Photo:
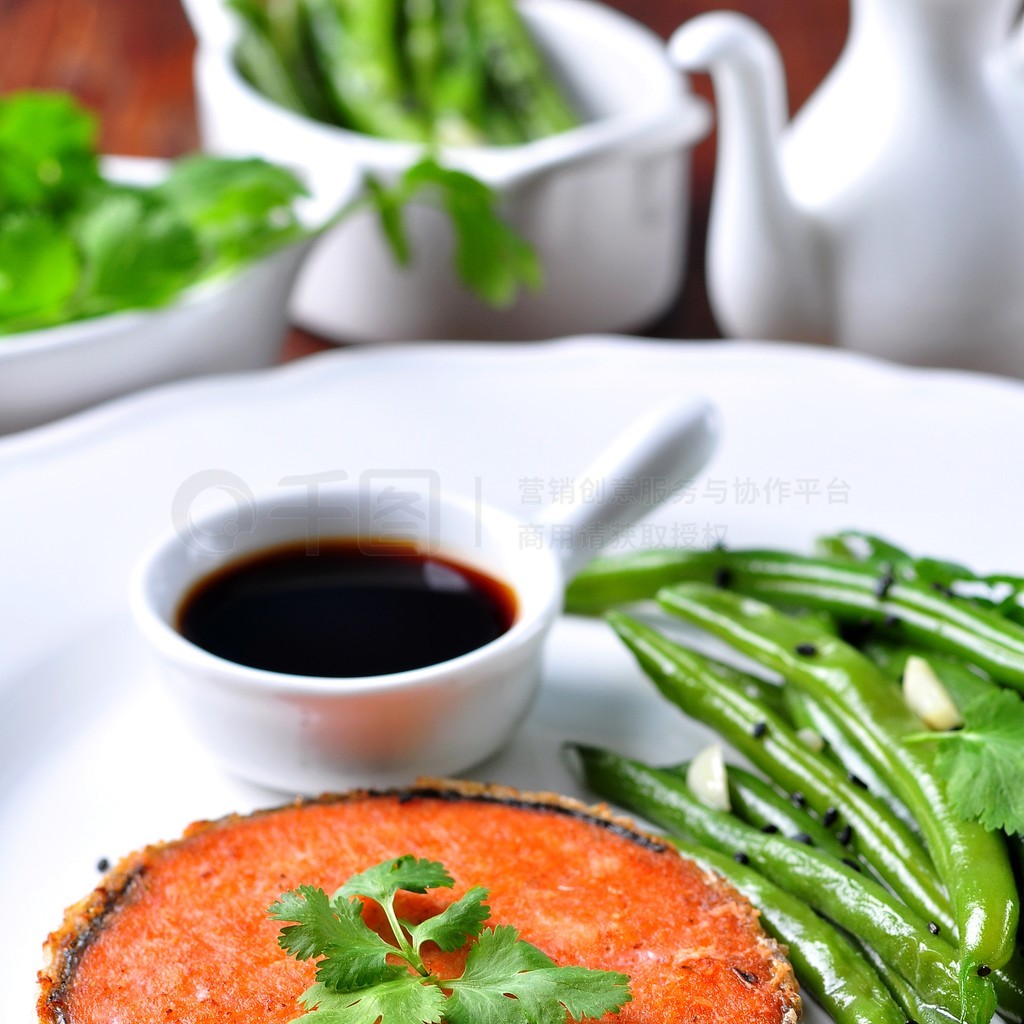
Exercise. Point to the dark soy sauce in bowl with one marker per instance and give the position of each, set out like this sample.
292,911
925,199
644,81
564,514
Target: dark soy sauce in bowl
345,611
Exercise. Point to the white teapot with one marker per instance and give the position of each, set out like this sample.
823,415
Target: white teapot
888,217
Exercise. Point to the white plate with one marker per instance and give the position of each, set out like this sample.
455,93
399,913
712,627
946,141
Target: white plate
94,761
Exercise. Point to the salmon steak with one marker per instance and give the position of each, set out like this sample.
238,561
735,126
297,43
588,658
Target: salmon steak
180,932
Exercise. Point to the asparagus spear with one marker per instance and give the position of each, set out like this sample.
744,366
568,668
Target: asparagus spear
355,45
525,87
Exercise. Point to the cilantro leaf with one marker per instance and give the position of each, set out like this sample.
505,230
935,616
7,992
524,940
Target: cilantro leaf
384,880
329,928
238,208
403,1000
47,151
490,257
357,957
388,203
363,979
315,927
39,271
458,922
137,252
73,245
500,965
983,763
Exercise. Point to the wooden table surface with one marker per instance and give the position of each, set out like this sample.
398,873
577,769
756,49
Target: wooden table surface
130,60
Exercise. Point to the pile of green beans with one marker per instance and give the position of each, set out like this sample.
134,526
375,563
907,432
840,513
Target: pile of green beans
437,72
922,902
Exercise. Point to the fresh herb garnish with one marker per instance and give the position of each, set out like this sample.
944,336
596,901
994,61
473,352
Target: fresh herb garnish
74,245
983,763
362,978
490,258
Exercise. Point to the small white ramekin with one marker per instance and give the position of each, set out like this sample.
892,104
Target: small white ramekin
306,734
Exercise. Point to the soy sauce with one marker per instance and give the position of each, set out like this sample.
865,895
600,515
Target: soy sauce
343,611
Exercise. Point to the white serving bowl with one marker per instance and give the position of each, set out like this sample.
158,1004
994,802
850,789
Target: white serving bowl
605,204
233,323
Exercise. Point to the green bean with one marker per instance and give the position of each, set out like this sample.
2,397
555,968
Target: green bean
858,546
1002,591
914,1007
848,590
758,804
622,579
875,718
964,683
808,713
852,901
826,964
1009,985
713,695
768,695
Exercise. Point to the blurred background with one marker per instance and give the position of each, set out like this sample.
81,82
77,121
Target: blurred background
130,60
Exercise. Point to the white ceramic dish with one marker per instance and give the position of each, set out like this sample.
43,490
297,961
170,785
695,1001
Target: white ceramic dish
94,759
310,735
605,204
237,323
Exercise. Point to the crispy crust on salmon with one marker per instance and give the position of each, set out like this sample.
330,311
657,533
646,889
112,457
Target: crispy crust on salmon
731,971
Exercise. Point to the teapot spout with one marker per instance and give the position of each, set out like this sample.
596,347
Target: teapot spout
766,259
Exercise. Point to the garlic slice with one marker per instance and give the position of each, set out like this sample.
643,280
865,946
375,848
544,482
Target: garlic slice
707,779
811,739
925,695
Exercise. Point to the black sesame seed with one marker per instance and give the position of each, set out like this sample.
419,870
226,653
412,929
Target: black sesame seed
740,857
103,864
759,729
830,817
984,970
858,633
856,780
933,927
852,864
770,829
803,837
885,581
723,577
797,799
844,835
808,650
746,976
